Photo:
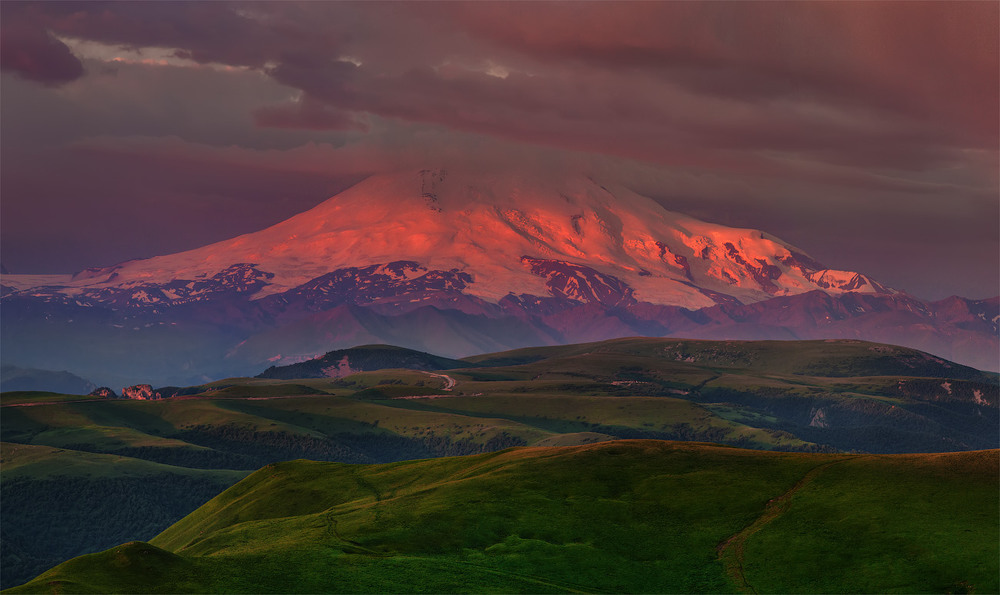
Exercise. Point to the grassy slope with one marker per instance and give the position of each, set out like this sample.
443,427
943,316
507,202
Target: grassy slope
35,462
621,516
113,424
60,503
930,524
831,358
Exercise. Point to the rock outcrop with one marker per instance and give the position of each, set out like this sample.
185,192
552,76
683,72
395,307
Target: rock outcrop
104,392
140,392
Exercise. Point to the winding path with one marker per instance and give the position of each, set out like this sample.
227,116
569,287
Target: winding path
732,550
449,382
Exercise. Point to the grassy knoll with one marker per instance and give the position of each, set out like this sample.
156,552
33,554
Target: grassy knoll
619,516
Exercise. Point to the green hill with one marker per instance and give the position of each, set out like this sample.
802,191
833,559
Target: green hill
621,516
365,358
826,358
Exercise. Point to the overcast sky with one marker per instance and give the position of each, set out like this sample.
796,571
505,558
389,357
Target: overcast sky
865,133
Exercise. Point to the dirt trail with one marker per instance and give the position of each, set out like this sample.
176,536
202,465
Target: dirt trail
732,550
331,520
449,382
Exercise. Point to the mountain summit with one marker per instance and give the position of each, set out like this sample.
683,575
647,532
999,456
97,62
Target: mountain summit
459,264
488,237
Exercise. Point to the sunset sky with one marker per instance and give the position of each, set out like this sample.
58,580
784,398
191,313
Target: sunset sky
866,133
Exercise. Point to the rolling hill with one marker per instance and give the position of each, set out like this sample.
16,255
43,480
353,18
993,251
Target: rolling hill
364,358
621,516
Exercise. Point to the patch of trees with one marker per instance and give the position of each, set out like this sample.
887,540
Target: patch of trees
867,425
881,439
46,522
904,364
239,447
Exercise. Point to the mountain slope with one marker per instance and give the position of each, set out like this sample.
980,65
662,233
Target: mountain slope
489,236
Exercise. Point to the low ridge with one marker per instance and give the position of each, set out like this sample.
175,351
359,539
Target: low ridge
364,358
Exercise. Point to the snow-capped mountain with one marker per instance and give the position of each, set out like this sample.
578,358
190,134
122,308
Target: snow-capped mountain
487,237
455,264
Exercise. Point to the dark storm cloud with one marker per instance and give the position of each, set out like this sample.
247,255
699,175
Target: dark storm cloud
870,75
205,31
752,110
34,54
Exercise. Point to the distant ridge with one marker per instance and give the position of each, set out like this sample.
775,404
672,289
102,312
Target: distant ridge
829,358
16,378
364,358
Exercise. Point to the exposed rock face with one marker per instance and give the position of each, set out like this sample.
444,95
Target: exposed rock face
140,392
580,283
376,284
103,391
818,419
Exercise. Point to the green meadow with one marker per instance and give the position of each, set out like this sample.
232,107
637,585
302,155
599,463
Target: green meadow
617,516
